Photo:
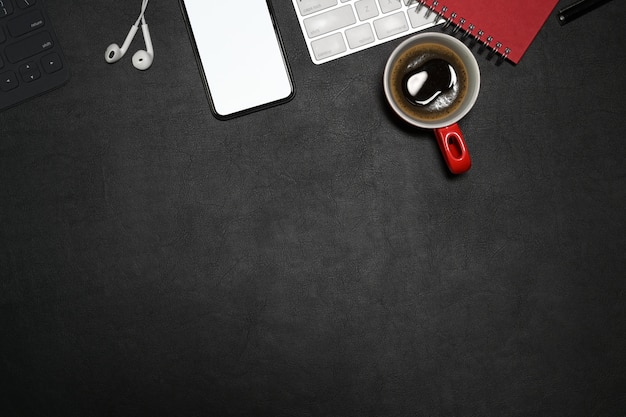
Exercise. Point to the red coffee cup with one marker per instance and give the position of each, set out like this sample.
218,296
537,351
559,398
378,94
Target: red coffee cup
449,137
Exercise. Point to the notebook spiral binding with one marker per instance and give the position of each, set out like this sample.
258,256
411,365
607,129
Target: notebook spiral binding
459,26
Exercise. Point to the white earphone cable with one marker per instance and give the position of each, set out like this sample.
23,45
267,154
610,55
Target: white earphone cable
141,18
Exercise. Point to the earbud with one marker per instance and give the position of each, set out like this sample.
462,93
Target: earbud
142,59
114,53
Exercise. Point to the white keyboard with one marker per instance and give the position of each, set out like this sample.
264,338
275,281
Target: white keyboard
336,28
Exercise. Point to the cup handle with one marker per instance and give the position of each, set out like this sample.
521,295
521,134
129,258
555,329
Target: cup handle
453,148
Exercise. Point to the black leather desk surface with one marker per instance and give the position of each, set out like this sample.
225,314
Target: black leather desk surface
314,259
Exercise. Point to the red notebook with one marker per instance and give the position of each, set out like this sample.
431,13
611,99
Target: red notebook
507,27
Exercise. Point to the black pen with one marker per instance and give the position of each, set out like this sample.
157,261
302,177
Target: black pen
577,9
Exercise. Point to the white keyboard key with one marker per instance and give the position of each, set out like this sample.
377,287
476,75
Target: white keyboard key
366,9
391,25
389,5
311,6
329,21
417,19
360,35
328,46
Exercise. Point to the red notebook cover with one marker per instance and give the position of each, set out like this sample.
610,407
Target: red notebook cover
506,26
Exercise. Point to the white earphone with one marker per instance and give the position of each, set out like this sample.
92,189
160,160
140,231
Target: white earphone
142,59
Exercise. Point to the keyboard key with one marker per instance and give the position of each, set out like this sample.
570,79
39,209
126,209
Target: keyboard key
51,63
360,35
312,6
8,81
25,23
329,21
25,4
418,19
366,9
328,46
389,5
28,47
391,25
27,67
5,8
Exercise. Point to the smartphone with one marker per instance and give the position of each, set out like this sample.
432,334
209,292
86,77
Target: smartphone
239,53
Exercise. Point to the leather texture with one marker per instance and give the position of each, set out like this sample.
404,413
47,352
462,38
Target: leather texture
315,258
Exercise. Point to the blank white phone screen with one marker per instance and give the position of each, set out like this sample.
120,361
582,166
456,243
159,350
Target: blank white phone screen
240,53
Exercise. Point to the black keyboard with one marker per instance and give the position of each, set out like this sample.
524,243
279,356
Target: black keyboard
31,60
